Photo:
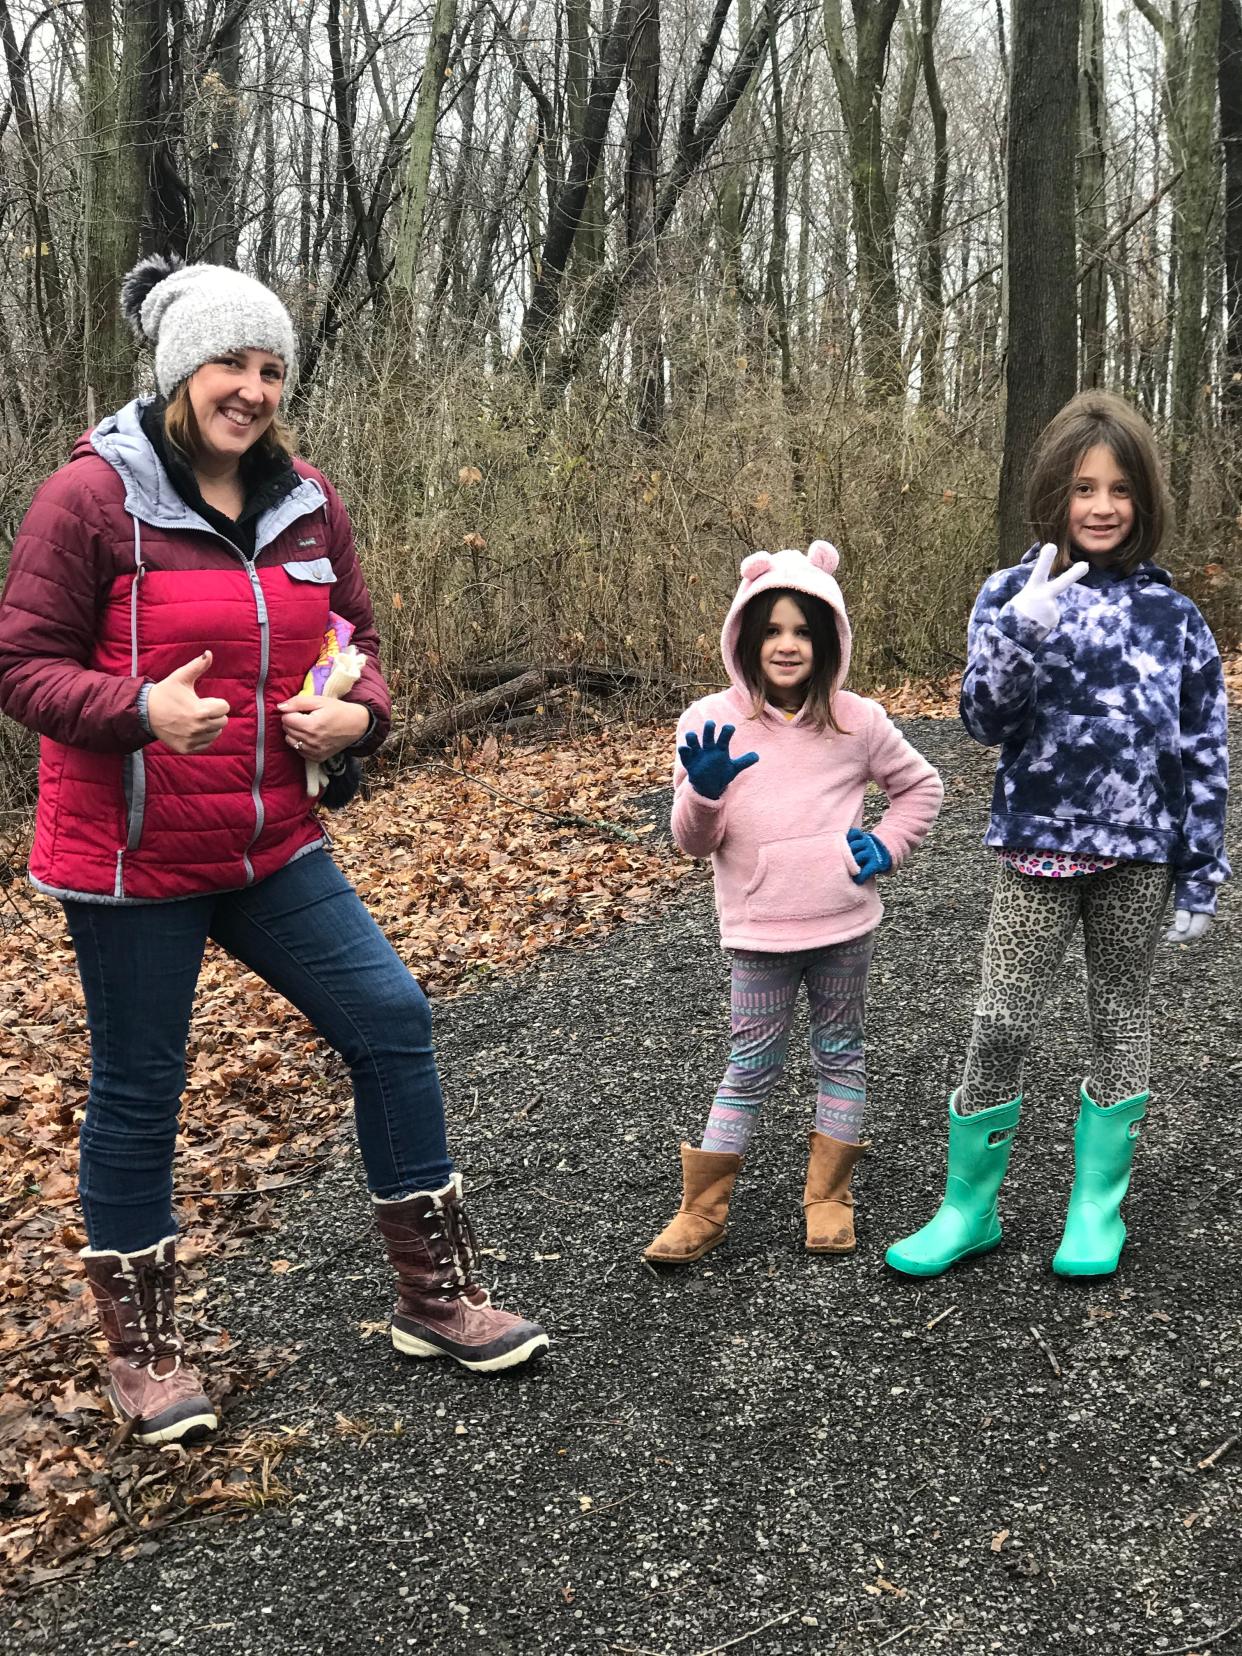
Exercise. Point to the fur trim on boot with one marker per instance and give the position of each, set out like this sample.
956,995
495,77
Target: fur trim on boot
150,1381
443,1309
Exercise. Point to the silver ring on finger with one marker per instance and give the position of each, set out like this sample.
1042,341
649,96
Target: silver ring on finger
297,744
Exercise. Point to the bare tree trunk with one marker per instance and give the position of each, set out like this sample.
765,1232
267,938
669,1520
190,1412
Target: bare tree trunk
422,139
1191,66
1042,333
860,88
589,244
450,277
736,192
218,122
932,263
49,296
307,157
265,251
641,175
344,104
695,140
116,167
1230,84
566,212
1093,224
777,309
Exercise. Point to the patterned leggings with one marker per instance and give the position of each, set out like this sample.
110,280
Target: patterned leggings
1029,929
764,994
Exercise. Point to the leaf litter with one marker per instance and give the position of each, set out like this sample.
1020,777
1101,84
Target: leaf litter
466,884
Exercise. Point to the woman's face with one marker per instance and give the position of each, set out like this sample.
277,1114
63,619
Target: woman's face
234,398
1101,510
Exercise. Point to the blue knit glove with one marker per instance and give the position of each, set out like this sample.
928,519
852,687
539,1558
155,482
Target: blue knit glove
871,855
709,766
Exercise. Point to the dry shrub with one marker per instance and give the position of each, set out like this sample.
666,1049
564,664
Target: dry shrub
495,529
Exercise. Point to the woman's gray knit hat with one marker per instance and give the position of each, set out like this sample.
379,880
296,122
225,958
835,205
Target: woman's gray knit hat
192,313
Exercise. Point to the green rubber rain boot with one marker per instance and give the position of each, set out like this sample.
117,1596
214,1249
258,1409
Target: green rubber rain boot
965,1223
1104,1141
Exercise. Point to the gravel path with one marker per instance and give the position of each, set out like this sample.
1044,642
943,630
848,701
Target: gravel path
768,1453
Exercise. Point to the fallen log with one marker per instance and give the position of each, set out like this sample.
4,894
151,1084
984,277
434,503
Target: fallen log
475,711
598,678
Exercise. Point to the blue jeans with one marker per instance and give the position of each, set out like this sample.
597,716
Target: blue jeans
305,931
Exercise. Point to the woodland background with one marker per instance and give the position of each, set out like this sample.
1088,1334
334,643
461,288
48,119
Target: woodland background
594,296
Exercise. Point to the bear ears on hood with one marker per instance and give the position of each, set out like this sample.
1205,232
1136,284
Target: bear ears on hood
821,554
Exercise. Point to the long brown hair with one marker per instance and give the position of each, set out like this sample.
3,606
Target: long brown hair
278,442
1097,418
825,652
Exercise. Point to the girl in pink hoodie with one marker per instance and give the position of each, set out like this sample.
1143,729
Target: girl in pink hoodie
795,877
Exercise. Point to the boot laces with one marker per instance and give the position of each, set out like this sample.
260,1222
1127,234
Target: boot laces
150,1317
461,1262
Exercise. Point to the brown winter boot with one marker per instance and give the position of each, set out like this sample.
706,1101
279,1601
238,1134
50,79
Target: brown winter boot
442,1309
707,1180
827,1199
151,1383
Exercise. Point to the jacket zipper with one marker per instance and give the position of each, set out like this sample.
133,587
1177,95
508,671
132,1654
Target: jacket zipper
134,832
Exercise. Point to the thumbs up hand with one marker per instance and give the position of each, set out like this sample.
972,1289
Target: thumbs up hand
182,719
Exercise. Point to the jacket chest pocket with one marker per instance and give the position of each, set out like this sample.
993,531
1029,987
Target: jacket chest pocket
311,571
807,878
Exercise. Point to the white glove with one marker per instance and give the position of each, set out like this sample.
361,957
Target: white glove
1038,598
1188,927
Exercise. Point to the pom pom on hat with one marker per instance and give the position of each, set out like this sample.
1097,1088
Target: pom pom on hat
138,284
192,313
824,556
755,565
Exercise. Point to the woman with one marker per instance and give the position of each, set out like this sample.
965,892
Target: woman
168,590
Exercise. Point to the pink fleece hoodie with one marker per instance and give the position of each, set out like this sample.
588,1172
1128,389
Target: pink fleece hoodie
776,836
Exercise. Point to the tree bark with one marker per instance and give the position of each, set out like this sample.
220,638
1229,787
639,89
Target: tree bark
1092,216
1191,67
49,298
777,309
422,138
116,168
219,122
1230,85
567,209
932,263
1042,330
641,178
860,88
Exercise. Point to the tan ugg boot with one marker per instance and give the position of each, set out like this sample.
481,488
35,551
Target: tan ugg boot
827,1199
707,1179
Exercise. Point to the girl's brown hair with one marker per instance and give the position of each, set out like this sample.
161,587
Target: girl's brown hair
1097,418
825,652
278,442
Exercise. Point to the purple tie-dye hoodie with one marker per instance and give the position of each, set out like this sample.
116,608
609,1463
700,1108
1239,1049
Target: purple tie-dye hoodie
1112,724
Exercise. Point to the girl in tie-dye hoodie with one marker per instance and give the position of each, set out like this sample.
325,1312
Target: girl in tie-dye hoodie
1103,687
795,876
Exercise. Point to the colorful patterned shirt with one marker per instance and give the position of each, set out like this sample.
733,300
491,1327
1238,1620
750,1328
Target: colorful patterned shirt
1056,865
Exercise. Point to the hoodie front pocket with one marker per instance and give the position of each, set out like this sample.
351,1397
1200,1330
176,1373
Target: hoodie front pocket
807,878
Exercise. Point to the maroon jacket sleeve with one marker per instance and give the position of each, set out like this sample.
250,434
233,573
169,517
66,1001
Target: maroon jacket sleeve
352,599
60,573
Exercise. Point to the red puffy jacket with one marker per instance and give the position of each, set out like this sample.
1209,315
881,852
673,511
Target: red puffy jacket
114,581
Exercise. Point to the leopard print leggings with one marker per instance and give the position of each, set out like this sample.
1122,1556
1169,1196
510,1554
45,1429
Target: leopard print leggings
1029,929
